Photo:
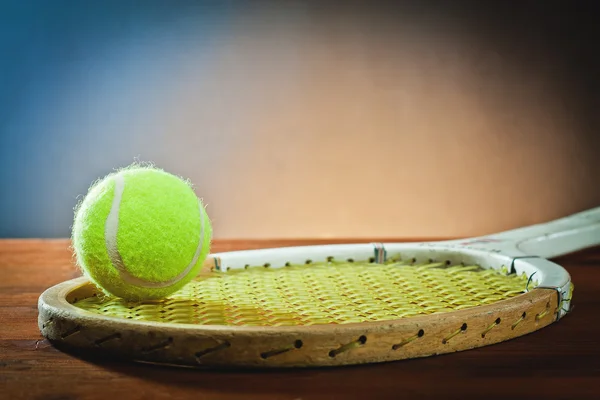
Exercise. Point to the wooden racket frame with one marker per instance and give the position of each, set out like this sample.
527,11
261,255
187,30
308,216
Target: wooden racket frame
290,346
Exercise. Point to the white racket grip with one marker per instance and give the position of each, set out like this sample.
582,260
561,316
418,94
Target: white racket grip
555,238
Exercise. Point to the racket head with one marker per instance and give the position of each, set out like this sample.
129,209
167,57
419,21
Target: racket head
538,303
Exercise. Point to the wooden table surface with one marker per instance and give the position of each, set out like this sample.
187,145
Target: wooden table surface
560,361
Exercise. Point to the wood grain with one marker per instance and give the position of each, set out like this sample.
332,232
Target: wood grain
560,361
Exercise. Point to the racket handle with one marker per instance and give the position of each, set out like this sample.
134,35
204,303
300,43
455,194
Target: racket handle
556,238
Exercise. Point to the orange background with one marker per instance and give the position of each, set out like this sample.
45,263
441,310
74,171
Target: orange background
301,121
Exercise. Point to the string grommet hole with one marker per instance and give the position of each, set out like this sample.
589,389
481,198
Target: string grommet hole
408,340
517,322
159,346
541,315
348,346
210,350
489,328
267,354
462,329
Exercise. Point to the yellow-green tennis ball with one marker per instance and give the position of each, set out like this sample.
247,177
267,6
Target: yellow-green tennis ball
141,234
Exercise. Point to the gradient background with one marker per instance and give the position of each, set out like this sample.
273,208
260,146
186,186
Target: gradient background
304,119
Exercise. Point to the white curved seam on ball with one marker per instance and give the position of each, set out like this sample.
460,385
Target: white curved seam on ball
110,236
111,227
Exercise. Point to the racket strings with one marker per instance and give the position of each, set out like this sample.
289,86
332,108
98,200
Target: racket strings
320,293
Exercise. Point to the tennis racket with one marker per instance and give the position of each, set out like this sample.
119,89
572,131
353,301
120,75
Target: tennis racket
332,305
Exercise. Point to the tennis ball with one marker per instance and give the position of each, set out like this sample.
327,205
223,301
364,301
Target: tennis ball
141,233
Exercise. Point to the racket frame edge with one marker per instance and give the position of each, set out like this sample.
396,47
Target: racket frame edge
289,346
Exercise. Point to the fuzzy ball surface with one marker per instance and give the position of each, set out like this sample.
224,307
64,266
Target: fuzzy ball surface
141,233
